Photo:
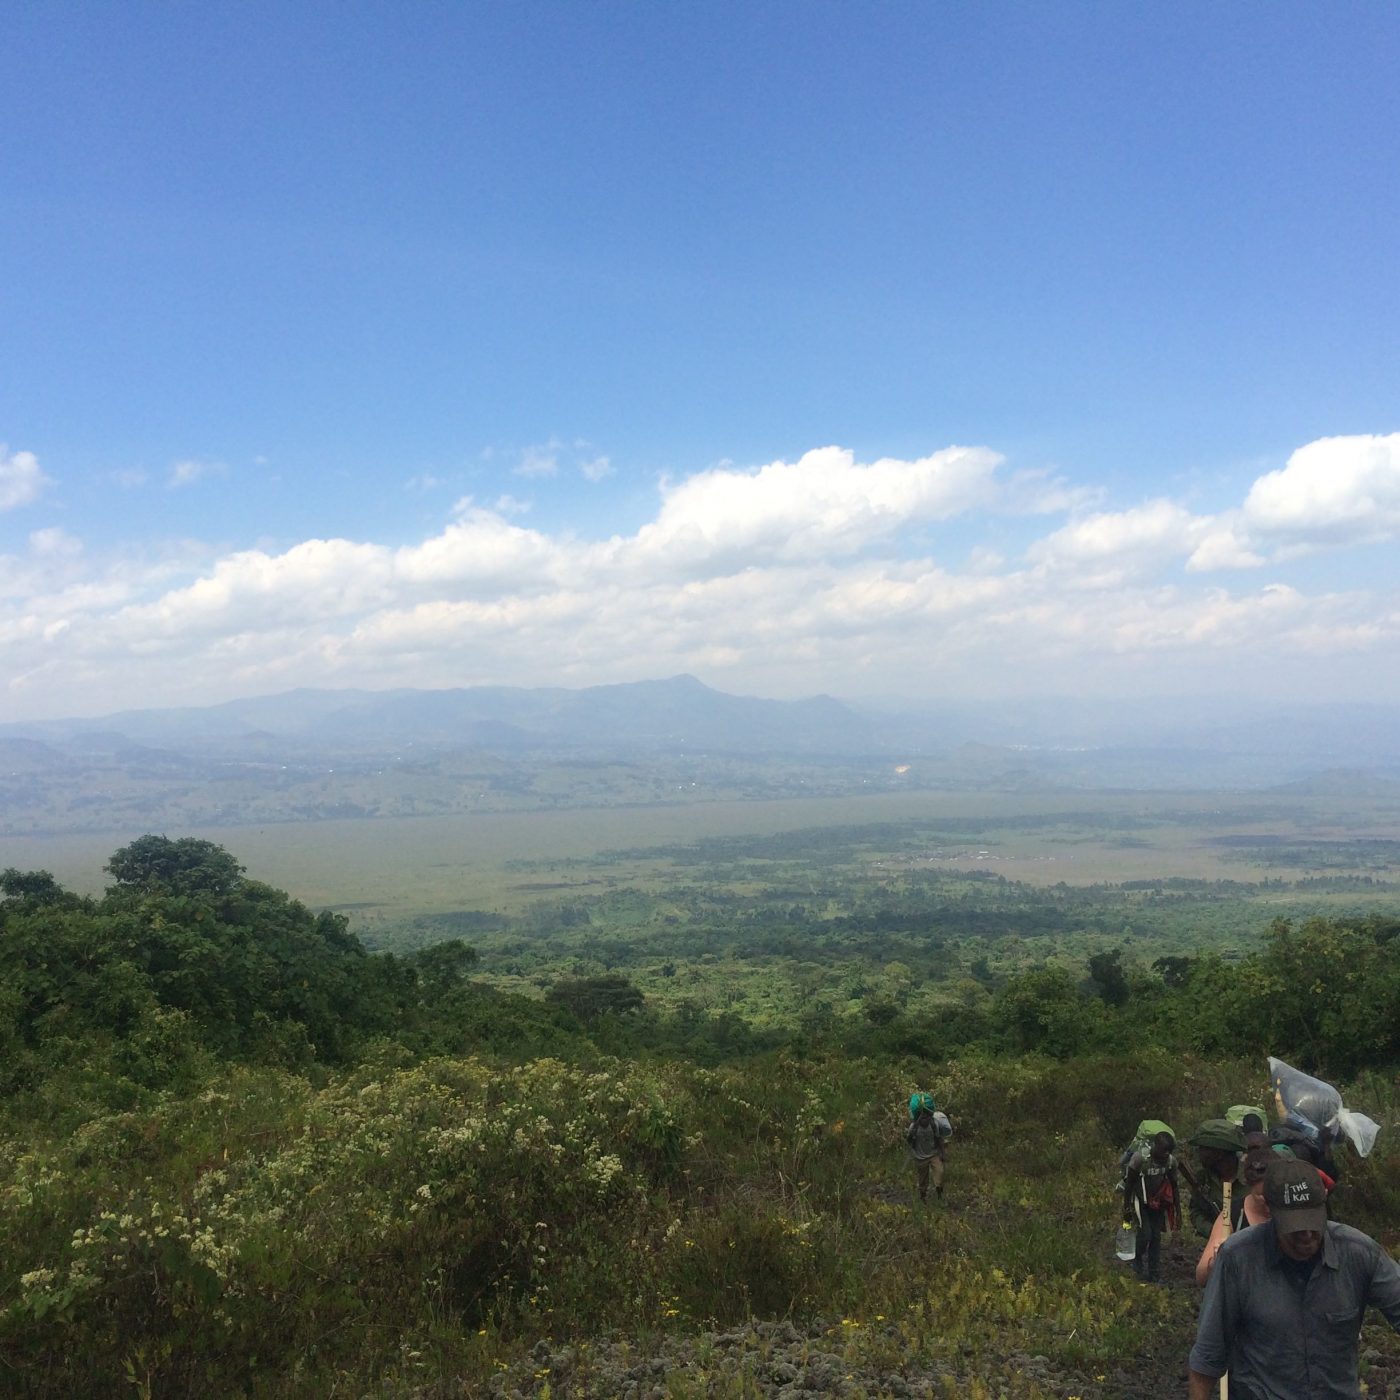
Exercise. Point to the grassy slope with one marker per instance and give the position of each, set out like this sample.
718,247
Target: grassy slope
393,1234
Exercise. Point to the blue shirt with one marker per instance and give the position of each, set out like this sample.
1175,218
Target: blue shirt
1287,1337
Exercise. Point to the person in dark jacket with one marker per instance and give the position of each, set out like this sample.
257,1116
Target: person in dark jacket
1283,1309
1220,1145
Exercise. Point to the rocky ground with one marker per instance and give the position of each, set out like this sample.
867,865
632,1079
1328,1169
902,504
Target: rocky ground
787,1361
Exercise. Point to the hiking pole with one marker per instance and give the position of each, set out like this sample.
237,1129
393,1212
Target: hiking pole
1225,1188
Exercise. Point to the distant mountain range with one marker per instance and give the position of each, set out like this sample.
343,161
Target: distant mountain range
309,754
644,716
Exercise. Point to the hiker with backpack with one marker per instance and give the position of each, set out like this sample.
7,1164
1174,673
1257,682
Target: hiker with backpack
927,1139
1220,1145
1151,1196
1248,1208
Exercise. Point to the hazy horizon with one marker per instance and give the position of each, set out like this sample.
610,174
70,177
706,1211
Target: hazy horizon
1189,707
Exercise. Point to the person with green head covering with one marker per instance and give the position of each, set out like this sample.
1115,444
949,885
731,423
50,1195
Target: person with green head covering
1219,1144
927,1140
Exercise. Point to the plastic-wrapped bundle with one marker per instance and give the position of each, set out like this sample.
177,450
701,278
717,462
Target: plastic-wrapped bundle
1312,1105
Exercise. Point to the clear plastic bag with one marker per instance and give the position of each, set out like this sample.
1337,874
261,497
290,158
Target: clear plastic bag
1312,1105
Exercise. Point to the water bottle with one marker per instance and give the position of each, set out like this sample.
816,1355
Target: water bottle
1126,1242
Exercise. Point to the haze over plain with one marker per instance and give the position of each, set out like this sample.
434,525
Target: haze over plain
998,351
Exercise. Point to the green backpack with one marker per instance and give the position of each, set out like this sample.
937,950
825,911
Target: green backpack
1142,1139
1237,1111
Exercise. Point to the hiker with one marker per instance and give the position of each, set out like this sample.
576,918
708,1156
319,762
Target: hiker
1282,1310
1307,1148
1251,1208
1246,1117
1219,1144
1150,1189
927,1137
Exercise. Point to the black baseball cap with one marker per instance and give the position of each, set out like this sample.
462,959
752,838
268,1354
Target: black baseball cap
1296,1196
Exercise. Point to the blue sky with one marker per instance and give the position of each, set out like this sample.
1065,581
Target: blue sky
542,343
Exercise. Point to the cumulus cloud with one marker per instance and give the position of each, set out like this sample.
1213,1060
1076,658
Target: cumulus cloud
1222,546
791,577
823,504
595,468
1334,490
21,480
1110,546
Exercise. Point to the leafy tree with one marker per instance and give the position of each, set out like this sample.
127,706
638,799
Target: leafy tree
1110,980
187,866
1043,1010
588,998
442,967
880,1011
31,886
1174,971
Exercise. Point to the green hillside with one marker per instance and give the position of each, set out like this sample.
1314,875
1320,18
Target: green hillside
245,1156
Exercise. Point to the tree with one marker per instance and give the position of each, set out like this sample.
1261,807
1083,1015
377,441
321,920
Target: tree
443,966
1044,1010
588,998
32,886
1174,971
880,1011
156,864
1111,982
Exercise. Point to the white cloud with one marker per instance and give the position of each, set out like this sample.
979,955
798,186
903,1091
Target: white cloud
21,480
595,468
1334,490
1223,547
479,551
823,504
130,478
1111,546
792,577
423,482
54,543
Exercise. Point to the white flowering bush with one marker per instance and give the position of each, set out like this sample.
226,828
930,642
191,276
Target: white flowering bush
268,1235
452,1186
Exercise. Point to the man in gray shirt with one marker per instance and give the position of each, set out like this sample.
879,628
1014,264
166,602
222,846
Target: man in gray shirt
1282,1311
